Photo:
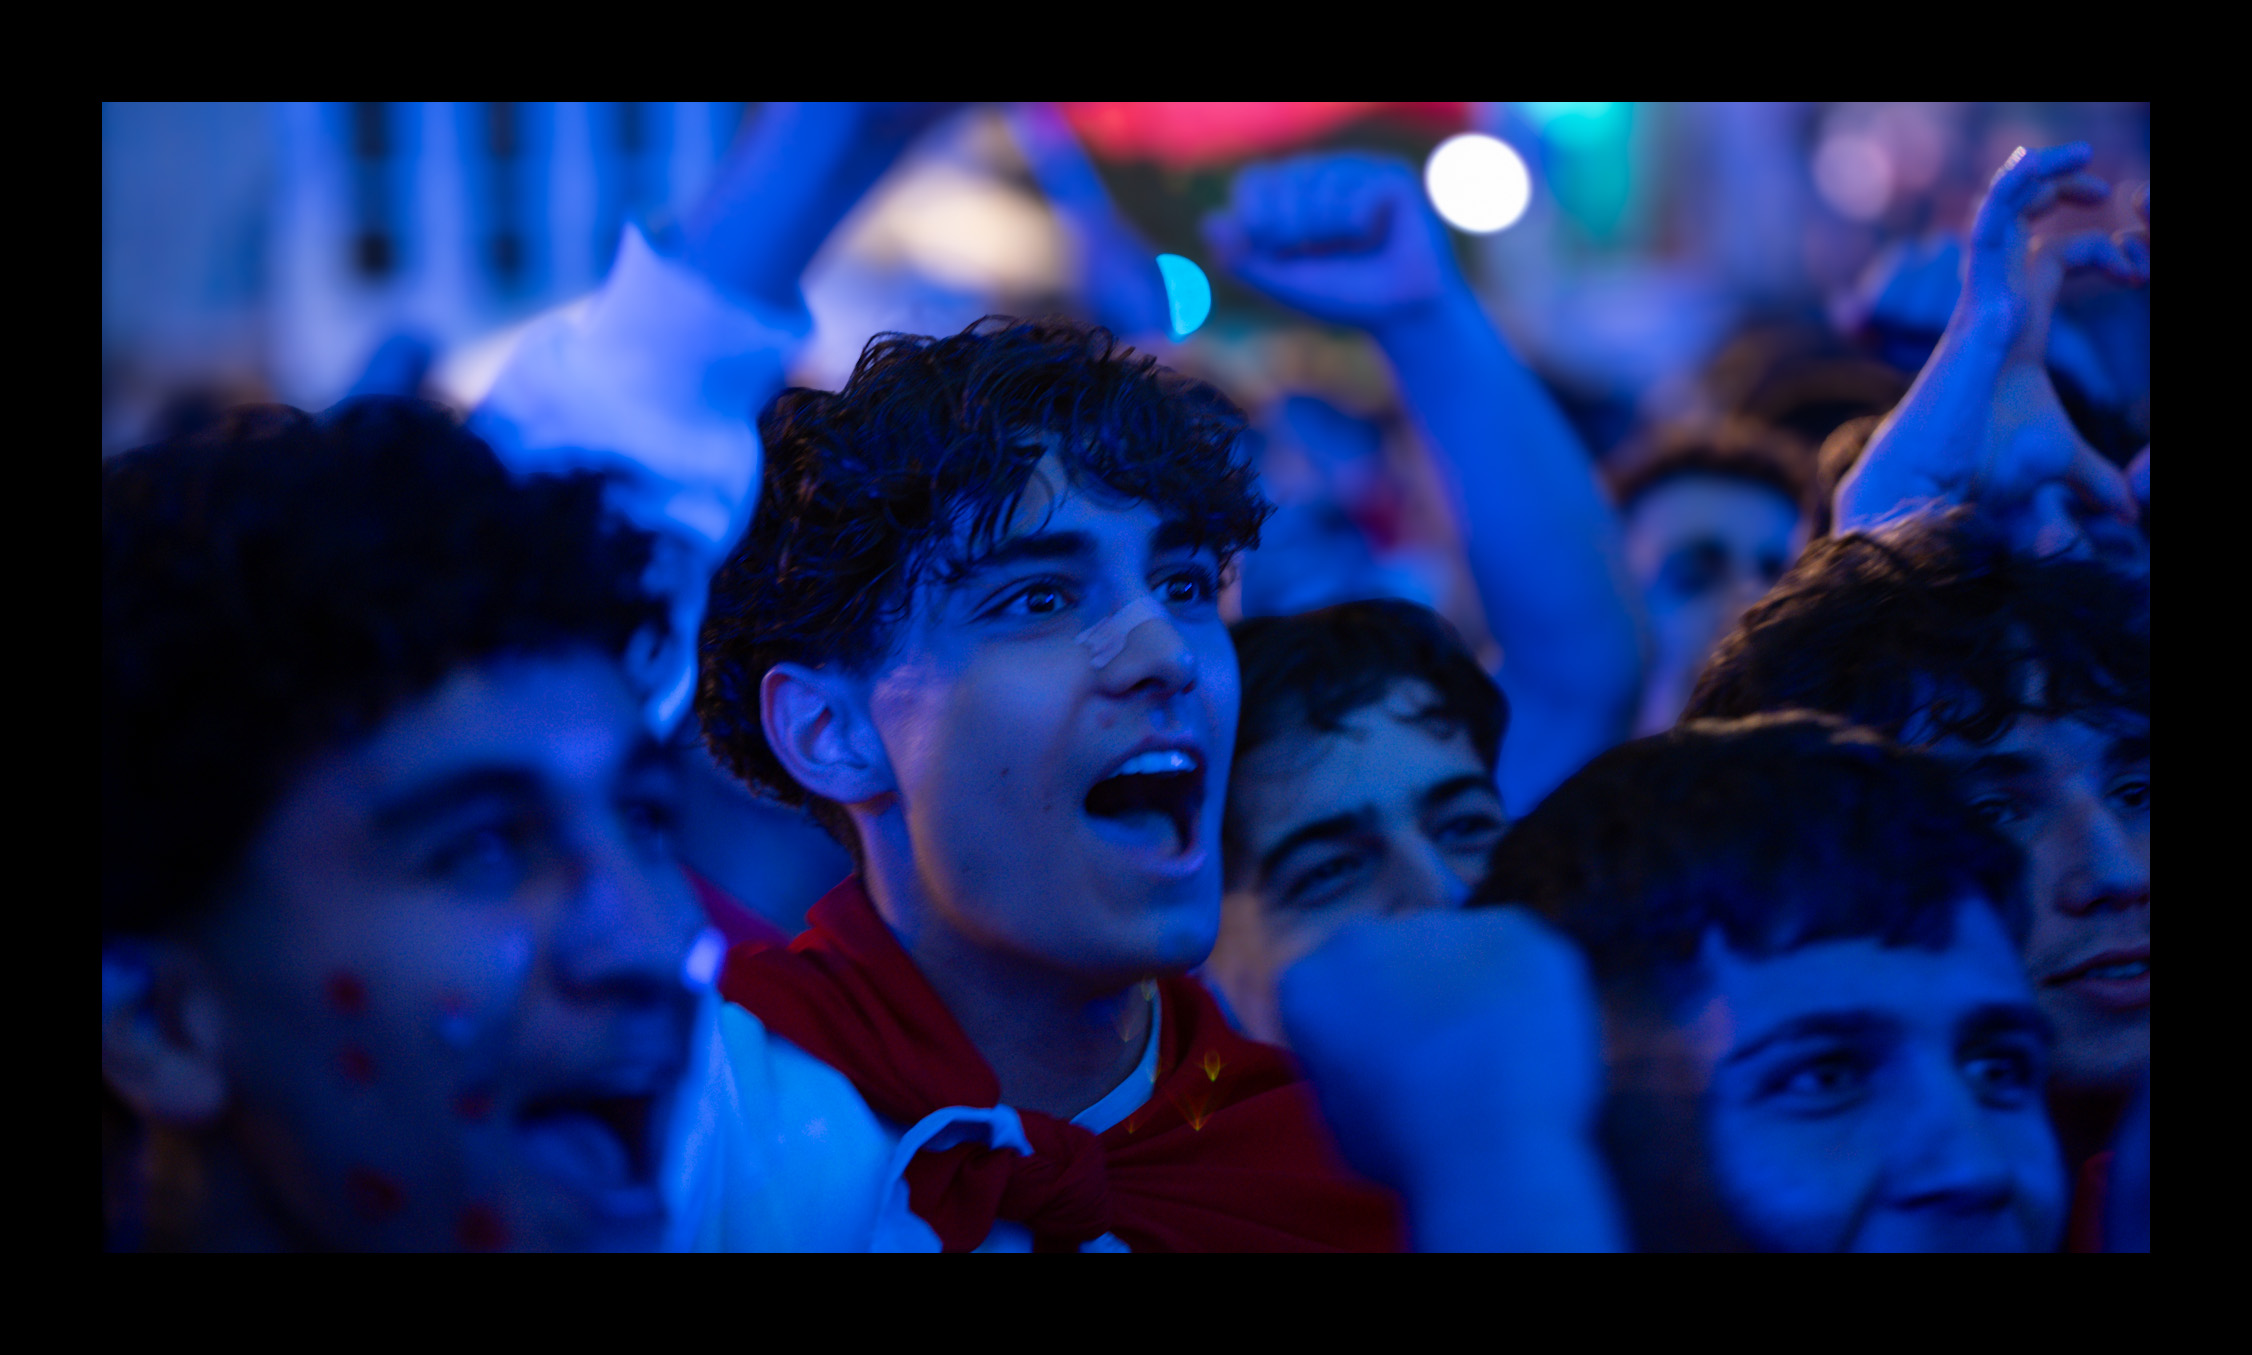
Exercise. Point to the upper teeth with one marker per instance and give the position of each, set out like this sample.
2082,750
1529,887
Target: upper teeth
1158,763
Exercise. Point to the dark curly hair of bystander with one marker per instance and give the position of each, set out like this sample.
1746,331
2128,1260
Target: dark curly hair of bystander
275,584
1935,628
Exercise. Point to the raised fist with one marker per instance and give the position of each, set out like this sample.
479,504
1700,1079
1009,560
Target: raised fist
1346,238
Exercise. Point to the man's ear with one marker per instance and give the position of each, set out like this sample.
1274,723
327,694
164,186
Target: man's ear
161,1033
817,723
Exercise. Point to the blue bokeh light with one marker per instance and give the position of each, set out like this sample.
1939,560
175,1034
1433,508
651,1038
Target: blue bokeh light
1188,294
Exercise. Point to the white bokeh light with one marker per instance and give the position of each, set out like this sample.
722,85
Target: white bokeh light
1854,174
1477,183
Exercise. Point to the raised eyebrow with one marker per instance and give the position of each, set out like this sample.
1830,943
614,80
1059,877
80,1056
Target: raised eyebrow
1032,547
2002,1018
1453,786
448,794
1849,1025
1330,829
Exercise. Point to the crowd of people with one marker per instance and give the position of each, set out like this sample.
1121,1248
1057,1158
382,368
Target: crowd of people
961,811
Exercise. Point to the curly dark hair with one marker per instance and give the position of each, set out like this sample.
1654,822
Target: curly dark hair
911,473
275,584
1935,629
1314,669
1781,831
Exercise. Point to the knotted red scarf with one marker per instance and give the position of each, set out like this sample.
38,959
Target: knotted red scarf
1228,1154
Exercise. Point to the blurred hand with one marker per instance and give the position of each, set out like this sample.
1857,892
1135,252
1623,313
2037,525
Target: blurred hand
1118,278
790,178
1983,422
2009,297
1346,238
1441,1038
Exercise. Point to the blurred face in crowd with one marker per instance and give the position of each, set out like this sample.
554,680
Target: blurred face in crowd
1702,548
1865,1097
1391,814
2077,798
446,995
1338,507
1033,804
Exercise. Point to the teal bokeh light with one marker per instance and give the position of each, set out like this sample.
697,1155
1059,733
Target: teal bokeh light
1188,294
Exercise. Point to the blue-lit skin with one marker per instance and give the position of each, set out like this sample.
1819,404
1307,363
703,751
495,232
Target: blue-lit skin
1702,549
1983,422
967,752
1459,1058
1865,1097
2076,798
1188,294
1352,240
472,912
1385,817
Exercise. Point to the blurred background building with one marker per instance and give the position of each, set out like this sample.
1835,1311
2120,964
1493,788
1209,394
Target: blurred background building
273,250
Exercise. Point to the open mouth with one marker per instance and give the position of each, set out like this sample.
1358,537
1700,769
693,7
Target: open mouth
599,1144
1152,800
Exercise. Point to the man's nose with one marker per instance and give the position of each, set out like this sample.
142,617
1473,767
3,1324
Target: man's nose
1948,1155
1156,658
627,929
2109,864
1422,880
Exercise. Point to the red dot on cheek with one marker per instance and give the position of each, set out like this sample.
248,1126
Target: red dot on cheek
356,1064
347,992
480,1229
375,1195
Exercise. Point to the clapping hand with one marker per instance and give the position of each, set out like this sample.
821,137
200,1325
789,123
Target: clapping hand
1983,422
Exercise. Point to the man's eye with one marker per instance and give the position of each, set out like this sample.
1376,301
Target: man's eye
1469,829
652,820
1189,588
2134,792
1998,809
2003,1074
1822,1083
1322,875
487,857
1695,570
1048,597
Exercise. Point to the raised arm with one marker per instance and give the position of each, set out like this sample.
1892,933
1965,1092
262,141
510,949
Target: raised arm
1982,423
1118,278
658,380
1348,239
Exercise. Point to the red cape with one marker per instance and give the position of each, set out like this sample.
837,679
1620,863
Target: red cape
1228,1154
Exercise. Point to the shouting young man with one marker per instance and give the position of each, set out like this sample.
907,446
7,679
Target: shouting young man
975,628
